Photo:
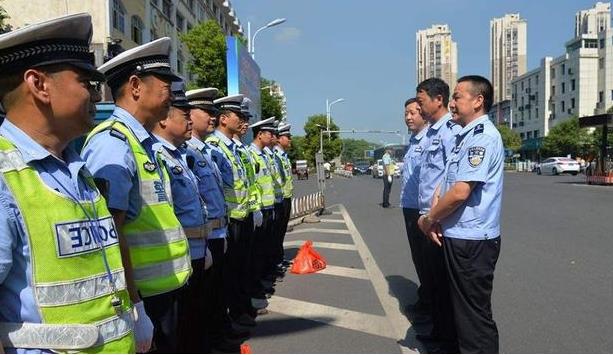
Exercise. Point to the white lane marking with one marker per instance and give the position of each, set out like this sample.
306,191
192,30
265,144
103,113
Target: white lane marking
345,272
318,230
337,246
338,317
332,221
390,304
336,212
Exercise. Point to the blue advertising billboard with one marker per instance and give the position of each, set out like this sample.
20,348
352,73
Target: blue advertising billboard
243,75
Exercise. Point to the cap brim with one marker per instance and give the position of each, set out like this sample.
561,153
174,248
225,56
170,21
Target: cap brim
182,104
164,74
89,69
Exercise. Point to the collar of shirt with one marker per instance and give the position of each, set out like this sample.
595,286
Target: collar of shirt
256,148
438,124
33,151
237,142
166,144
472,125
137,128
227,141
195,142
419,135
267,150
279,149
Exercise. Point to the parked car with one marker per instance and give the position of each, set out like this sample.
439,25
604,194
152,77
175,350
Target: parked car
361,168
302,170
558,165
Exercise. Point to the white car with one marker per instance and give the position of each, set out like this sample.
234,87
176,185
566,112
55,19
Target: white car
377,169
558,165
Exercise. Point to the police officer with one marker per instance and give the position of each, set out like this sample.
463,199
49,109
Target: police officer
171,133
236,192
62,284
284,142
263,132
389,168
119,152
433,98
210,186
472,187
408,200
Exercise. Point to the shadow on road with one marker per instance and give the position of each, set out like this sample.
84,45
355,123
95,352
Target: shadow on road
405,291
273,327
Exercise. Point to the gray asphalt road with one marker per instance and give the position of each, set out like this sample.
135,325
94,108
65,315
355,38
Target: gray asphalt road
553,284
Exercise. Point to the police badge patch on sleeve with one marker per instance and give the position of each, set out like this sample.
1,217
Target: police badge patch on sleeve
475,156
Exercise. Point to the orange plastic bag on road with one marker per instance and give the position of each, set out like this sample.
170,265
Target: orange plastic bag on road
307,260
245,349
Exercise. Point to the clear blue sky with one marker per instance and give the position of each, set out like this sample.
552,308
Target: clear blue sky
364,51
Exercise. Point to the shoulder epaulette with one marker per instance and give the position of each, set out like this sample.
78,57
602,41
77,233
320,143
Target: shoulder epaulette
114,132
478,129
450,124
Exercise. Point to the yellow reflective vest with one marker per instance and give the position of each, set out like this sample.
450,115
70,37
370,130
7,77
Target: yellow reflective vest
73,250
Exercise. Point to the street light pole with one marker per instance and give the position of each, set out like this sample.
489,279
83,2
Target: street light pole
251,44
328,107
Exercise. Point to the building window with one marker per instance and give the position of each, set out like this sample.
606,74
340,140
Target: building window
189,27
563,104
119,14
180,22
563,88
536,99
572,85
529,135
137,29
611,94
536,133
167,8
602,43
553,90
572,102
600,63
521,135
180,62
552,73
601,96
563,68
190,4
536,113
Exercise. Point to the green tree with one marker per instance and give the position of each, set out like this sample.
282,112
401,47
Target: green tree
510,138
271,104
332,147
569,138
296,152
353,149
207,44
4,16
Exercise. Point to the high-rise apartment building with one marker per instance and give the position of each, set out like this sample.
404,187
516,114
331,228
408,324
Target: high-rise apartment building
508,57
594,20
436,54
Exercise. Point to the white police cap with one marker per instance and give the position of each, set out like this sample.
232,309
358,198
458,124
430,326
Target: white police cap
61,40
179,99
149,58
283,129
203,98
232,102
264,125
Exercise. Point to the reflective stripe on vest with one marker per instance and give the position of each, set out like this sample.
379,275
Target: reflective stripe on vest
236,196
277,179
263,179
155,236
288,185
68,274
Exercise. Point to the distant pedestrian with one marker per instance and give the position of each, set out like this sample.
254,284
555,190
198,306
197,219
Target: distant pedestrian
389,168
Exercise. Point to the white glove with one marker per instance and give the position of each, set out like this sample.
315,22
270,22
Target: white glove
257,219
208,259
143,328
389,179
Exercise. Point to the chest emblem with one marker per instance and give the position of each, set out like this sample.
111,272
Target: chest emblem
149,166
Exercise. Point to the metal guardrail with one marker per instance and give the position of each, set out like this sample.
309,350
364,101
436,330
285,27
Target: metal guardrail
305,205
344,173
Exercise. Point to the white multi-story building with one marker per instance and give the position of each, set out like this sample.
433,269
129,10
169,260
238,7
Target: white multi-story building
594,20
132,22
507,53
577,83
277,91
436,54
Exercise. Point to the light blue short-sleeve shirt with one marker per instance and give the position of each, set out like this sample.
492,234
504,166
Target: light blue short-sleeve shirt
16,297
210,183
440,140
478,156
186,202
109,157
409,189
